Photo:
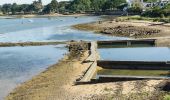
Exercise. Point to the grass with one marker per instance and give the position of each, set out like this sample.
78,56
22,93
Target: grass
166,97
133,72
137,17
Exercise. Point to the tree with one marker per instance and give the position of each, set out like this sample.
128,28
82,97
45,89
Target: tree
6,8
53,6
98,5
63,6
113,4
14,8
150,0
37,6
47,9
80,5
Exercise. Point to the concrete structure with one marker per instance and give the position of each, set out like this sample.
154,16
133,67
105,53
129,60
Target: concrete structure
90,76
115,78
91,65
127,43
139,65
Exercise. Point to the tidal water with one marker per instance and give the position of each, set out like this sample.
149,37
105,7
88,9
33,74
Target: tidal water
47,29
135,54
18,64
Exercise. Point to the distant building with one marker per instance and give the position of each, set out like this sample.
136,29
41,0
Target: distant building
146,5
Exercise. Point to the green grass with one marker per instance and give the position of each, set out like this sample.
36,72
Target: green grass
133,72
166,97
137,17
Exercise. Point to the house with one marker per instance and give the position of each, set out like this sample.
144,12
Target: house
146,5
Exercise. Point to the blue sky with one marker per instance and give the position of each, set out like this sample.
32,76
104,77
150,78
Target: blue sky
25,1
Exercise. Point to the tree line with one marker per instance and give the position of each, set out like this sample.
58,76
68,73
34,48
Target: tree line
36,7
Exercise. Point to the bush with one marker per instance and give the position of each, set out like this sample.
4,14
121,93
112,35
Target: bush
158,12
135,10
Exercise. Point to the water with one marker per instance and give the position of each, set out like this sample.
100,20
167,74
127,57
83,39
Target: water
45,29
136,54
18,64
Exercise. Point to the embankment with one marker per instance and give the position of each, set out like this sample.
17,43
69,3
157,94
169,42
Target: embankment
10,44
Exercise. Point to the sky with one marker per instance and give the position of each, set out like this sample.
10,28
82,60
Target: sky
25,1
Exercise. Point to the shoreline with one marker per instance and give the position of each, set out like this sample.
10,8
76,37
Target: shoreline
103,27
111,27
41,16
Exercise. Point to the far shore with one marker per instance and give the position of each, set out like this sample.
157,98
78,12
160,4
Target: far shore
45,15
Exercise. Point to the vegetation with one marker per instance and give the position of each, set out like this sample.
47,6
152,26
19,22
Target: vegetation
158,11
150,0
62,7
166,97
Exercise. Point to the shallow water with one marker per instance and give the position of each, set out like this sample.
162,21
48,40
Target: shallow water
45,29
136,54
18,64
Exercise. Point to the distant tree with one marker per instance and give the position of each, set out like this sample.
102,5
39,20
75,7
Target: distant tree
53,6
150,0
14,8
166,10
6,8
63,6
47,9
113,4
80,5
122,6
98,5
37,6
23,8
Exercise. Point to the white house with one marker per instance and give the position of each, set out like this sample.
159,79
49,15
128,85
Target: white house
160,3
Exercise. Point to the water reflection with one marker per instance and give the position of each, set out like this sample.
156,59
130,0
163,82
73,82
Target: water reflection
136,54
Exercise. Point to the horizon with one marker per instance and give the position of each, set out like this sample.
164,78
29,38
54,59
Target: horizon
26,1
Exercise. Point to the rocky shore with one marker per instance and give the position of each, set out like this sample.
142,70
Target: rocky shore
130,31
129,28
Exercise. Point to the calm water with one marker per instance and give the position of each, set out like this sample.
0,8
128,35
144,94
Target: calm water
136,54
45,29
18,64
